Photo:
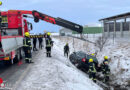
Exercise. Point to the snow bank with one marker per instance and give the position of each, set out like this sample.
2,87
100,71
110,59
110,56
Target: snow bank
118,52
76,44
120,61
56,73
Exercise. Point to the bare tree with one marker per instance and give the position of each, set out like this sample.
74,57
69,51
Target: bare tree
101,42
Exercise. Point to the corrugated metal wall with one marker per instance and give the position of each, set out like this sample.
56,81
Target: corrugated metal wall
125,26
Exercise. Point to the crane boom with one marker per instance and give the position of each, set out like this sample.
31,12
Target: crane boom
40,16
59,21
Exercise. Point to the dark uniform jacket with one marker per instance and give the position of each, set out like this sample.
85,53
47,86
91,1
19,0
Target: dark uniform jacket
49,42
92,68
106,60
34,40
66,48
105,69
27,43
40,39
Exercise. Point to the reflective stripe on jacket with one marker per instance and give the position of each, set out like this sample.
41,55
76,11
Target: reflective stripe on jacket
48,42
92,68
27,42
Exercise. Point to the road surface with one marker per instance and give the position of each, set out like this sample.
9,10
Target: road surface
12,74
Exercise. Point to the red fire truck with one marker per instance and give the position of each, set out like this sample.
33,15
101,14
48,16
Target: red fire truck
13,25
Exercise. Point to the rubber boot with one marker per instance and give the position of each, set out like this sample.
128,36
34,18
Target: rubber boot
26,61
31,61
49,54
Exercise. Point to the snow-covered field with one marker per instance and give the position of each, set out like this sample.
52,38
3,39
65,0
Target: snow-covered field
56,73
119,52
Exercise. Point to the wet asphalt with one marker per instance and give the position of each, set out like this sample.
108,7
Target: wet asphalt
11,74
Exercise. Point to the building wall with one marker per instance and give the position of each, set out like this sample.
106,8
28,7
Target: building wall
91,30
122,30
65,31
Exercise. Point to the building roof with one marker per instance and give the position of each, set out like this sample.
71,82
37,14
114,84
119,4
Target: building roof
120,16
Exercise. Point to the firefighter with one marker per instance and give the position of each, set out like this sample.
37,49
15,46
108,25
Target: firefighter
49,44
105,59
93,54
27,48
92,70
97,66
66,50
34,43
40,41
105,69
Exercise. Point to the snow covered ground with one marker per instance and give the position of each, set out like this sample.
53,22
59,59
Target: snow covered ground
119,52
56,73
120,61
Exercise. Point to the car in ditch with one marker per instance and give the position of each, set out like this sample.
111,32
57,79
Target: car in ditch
81,60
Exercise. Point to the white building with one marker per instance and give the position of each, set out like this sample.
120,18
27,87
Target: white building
65,31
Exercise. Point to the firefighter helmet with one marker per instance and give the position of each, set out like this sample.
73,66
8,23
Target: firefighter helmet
0,3
90,60
93,54
48,33
27,34
105,57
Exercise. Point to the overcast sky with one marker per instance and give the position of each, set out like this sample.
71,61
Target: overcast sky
79,11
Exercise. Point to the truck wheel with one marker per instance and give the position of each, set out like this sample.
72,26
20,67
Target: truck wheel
16,59
18,56
6,63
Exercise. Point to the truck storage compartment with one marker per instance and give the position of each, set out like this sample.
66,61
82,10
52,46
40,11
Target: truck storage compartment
11,40
10,43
